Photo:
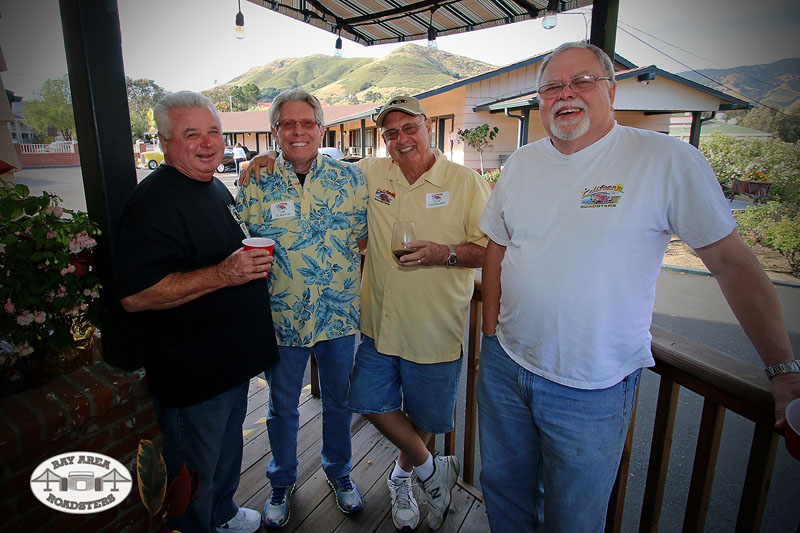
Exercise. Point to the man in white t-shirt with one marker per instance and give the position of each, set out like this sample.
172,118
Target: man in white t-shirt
578,225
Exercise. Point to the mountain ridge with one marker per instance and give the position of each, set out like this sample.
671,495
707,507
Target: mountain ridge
409,69
776,84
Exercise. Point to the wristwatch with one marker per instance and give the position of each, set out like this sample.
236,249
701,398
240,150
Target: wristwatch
451,258
789,367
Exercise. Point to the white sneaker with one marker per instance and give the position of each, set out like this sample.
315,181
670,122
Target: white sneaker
437,489
245,521
276,509
405,511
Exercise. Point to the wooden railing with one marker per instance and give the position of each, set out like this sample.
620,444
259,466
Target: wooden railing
724,382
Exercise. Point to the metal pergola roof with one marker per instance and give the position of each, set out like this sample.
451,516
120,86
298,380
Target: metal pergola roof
370,22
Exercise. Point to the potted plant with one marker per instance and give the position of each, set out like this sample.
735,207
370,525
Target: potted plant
491,176
47,286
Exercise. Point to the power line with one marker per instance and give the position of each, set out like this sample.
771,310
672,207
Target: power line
731,89
788,89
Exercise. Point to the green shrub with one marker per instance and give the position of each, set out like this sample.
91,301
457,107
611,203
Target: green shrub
784,236
743,157
491,175
775,227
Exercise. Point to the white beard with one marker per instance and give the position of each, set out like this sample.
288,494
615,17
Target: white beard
574,128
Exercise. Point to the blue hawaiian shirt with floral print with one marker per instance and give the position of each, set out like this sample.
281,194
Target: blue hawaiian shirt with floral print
315,275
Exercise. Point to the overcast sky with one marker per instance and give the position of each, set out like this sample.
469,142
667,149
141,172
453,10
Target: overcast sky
189,44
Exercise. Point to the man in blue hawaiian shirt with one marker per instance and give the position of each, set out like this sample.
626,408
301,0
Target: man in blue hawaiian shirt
315,209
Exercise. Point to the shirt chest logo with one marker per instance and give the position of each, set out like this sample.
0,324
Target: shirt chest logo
282,209
601,196
437,199
385,197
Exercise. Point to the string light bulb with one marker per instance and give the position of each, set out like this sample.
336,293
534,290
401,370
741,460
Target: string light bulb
238,30
550,15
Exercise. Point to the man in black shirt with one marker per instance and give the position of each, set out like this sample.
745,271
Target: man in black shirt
184,272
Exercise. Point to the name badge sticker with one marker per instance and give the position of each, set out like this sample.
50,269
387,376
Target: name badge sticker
437,199
282,209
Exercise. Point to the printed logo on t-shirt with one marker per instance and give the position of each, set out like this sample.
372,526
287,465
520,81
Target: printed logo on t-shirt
601,196
385,197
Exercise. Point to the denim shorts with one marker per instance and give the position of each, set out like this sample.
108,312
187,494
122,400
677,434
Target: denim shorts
385,383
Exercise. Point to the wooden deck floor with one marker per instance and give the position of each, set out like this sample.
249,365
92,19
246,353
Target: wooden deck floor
313,508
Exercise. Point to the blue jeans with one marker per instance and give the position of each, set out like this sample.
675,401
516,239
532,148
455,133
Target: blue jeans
207,437
335,361
550,453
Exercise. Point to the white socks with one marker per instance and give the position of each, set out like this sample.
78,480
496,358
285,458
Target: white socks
399,472
425,470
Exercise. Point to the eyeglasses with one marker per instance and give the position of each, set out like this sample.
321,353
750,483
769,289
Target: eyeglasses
306,124
578,84
409,129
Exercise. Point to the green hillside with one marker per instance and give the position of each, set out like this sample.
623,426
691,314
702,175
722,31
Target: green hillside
409,69
776,84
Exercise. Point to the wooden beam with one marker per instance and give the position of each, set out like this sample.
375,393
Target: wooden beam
605,14
93,45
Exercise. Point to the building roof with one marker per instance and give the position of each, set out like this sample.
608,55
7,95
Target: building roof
529,99
245,121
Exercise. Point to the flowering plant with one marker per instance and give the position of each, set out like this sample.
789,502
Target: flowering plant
47,278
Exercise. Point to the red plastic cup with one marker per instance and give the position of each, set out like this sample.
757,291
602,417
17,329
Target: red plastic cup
793,428
260,243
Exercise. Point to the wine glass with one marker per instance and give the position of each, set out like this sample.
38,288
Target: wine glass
403,232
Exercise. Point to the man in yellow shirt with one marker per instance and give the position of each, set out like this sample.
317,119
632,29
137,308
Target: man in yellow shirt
414,312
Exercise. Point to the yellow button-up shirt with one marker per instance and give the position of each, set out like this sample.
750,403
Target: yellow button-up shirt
314,278
419,313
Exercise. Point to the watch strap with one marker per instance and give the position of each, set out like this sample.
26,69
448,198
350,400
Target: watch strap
452,259
788,367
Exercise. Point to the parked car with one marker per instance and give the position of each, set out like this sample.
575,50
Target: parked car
228,164
151,159
59,146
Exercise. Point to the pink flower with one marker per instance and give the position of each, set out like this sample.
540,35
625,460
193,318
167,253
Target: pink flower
9,307
51,234
25,318
39,317
24,349
54,210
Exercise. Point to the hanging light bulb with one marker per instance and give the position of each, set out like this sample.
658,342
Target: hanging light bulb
432,33
238,30
338,51
432,39
550,15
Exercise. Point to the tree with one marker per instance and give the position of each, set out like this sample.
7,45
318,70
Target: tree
143,95
220,97
244,97
785,123
52,107
479,138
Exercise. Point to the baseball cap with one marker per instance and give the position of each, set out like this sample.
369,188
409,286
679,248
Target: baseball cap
407,104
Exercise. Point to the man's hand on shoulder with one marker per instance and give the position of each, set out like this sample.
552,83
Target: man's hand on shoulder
265,160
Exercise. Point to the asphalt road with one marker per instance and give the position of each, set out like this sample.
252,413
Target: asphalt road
692,306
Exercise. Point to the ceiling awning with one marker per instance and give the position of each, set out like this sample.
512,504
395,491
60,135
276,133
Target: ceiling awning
370,22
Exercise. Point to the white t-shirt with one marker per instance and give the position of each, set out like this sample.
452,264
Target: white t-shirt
239,153
585,235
